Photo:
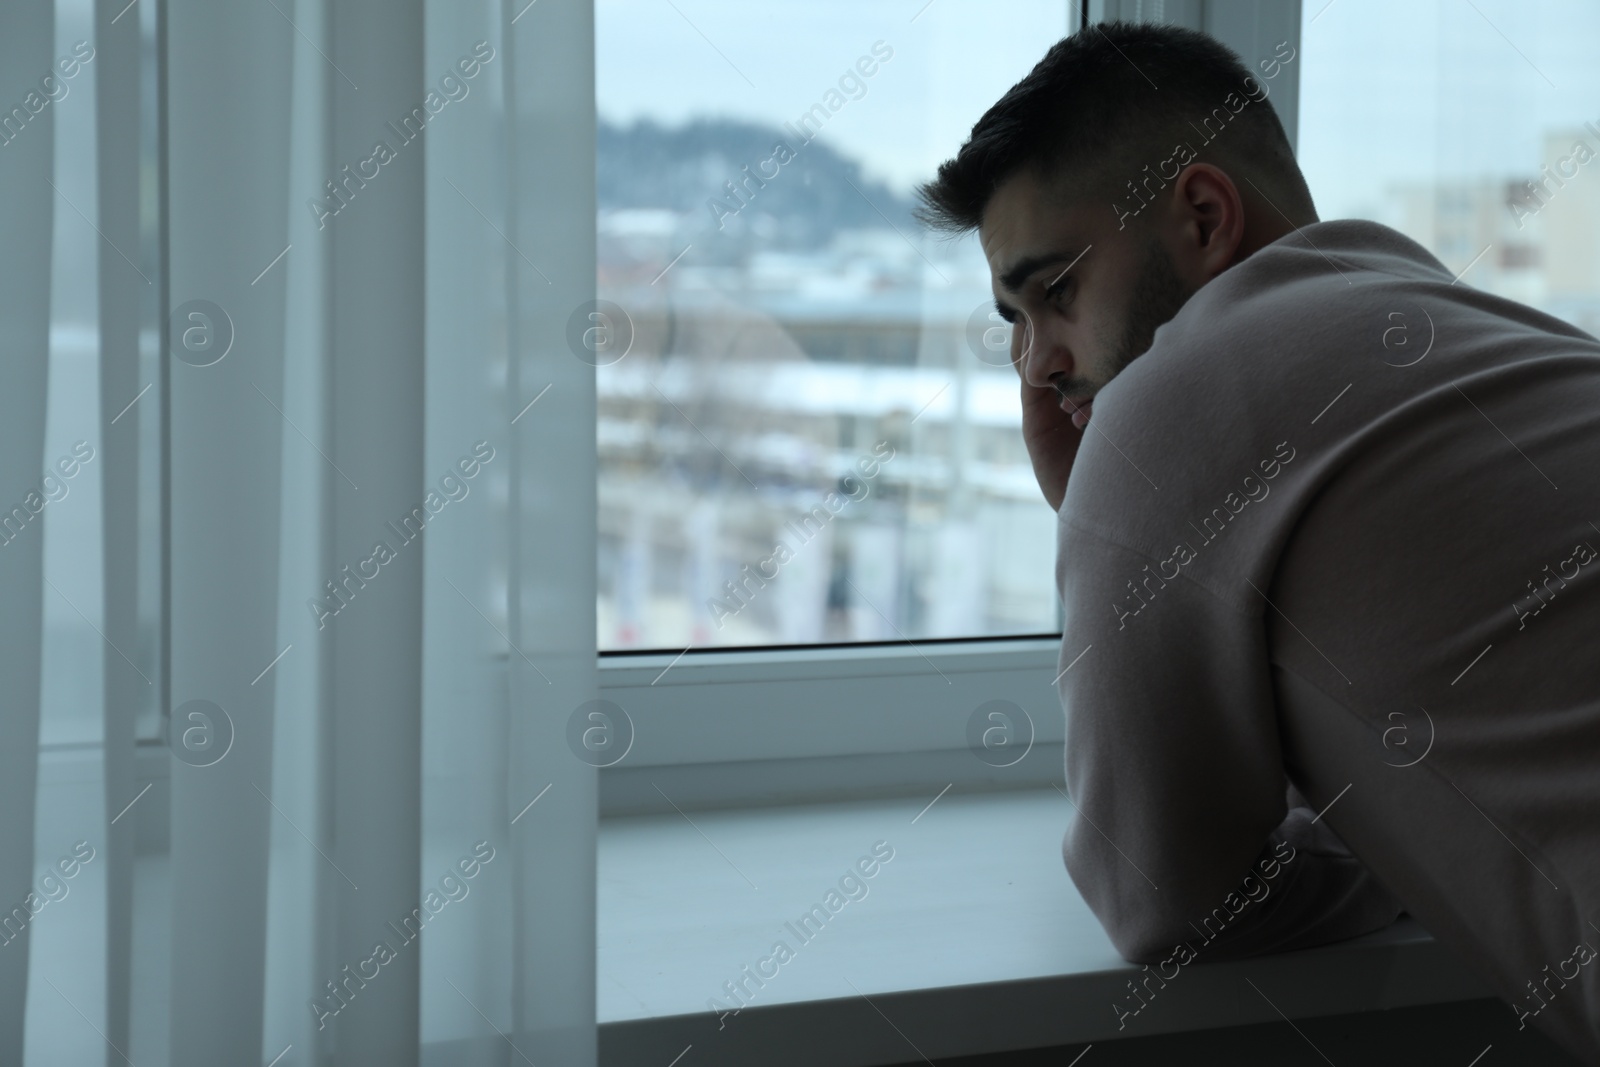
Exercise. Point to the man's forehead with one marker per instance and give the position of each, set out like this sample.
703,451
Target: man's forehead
1022,223
1005,217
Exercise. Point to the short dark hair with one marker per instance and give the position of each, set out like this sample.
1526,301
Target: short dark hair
1107,101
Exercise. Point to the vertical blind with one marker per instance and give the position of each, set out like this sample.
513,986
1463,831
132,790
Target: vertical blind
297,274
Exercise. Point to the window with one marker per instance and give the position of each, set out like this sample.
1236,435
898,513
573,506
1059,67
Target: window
807,421
786,349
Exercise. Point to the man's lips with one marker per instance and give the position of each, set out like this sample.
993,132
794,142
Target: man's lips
1080,409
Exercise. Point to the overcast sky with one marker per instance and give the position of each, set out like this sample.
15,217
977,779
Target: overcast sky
1389,91
948,67
1433,89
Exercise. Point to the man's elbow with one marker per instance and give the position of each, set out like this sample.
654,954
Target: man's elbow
1131,913
1143,932
1142,943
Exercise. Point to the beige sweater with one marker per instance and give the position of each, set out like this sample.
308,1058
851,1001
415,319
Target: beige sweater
1338,528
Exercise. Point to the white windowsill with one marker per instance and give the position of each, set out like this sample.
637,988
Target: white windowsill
971,939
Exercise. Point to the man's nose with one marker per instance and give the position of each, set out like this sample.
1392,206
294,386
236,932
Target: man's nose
1045,358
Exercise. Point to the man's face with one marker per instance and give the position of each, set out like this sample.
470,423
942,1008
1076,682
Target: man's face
1085,297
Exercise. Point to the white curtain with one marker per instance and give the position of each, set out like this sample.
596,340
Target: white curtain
27,41
291,659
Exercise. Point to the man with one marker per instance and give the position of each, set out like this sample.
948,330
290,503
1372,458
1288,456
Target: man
1328,544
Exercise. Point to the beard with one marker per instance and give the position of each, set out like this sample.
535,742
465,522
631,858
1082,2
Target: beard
1158,294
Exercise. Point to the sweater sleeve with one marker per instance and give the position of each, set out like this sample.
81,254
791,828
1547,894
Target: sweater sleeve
1184,830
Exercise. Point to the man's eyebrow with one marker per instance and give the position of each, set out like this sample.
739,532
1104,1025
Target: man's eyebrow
1026,268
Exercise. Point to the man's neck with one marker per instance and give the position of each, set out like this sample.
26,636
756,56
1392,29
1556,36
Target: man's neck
1265,224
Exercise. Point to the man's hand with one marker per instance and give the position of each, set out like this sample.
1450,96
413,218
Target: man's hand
1047,430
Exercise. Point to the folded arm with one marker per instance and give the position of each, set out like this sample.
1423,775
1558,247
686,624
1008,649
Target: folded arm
1184,830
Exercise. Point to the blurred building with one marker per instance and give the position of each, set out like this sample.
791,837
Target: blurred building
1532,238
749,392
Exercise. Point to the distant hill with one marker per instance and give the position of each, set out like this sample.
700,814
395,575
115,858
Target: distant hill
682,168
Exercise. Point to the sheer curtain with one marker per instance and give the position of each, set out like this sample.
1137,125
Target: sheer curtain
293,652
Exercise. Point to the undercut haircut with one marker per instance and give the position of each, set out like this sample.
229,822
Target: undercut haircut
1106,113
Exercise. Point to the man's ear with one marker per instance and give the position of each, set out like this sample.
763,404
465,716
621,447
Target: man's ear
1210,221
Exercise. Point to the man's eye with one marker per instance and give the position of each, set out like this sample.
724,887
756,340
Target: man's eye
1057,287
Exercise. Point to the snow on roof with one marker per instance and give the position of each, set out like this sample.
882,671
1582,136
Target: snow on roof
809,388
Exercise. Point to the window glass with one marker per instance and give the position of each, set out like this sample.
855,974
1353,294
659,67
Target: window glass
807,421
1473,128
